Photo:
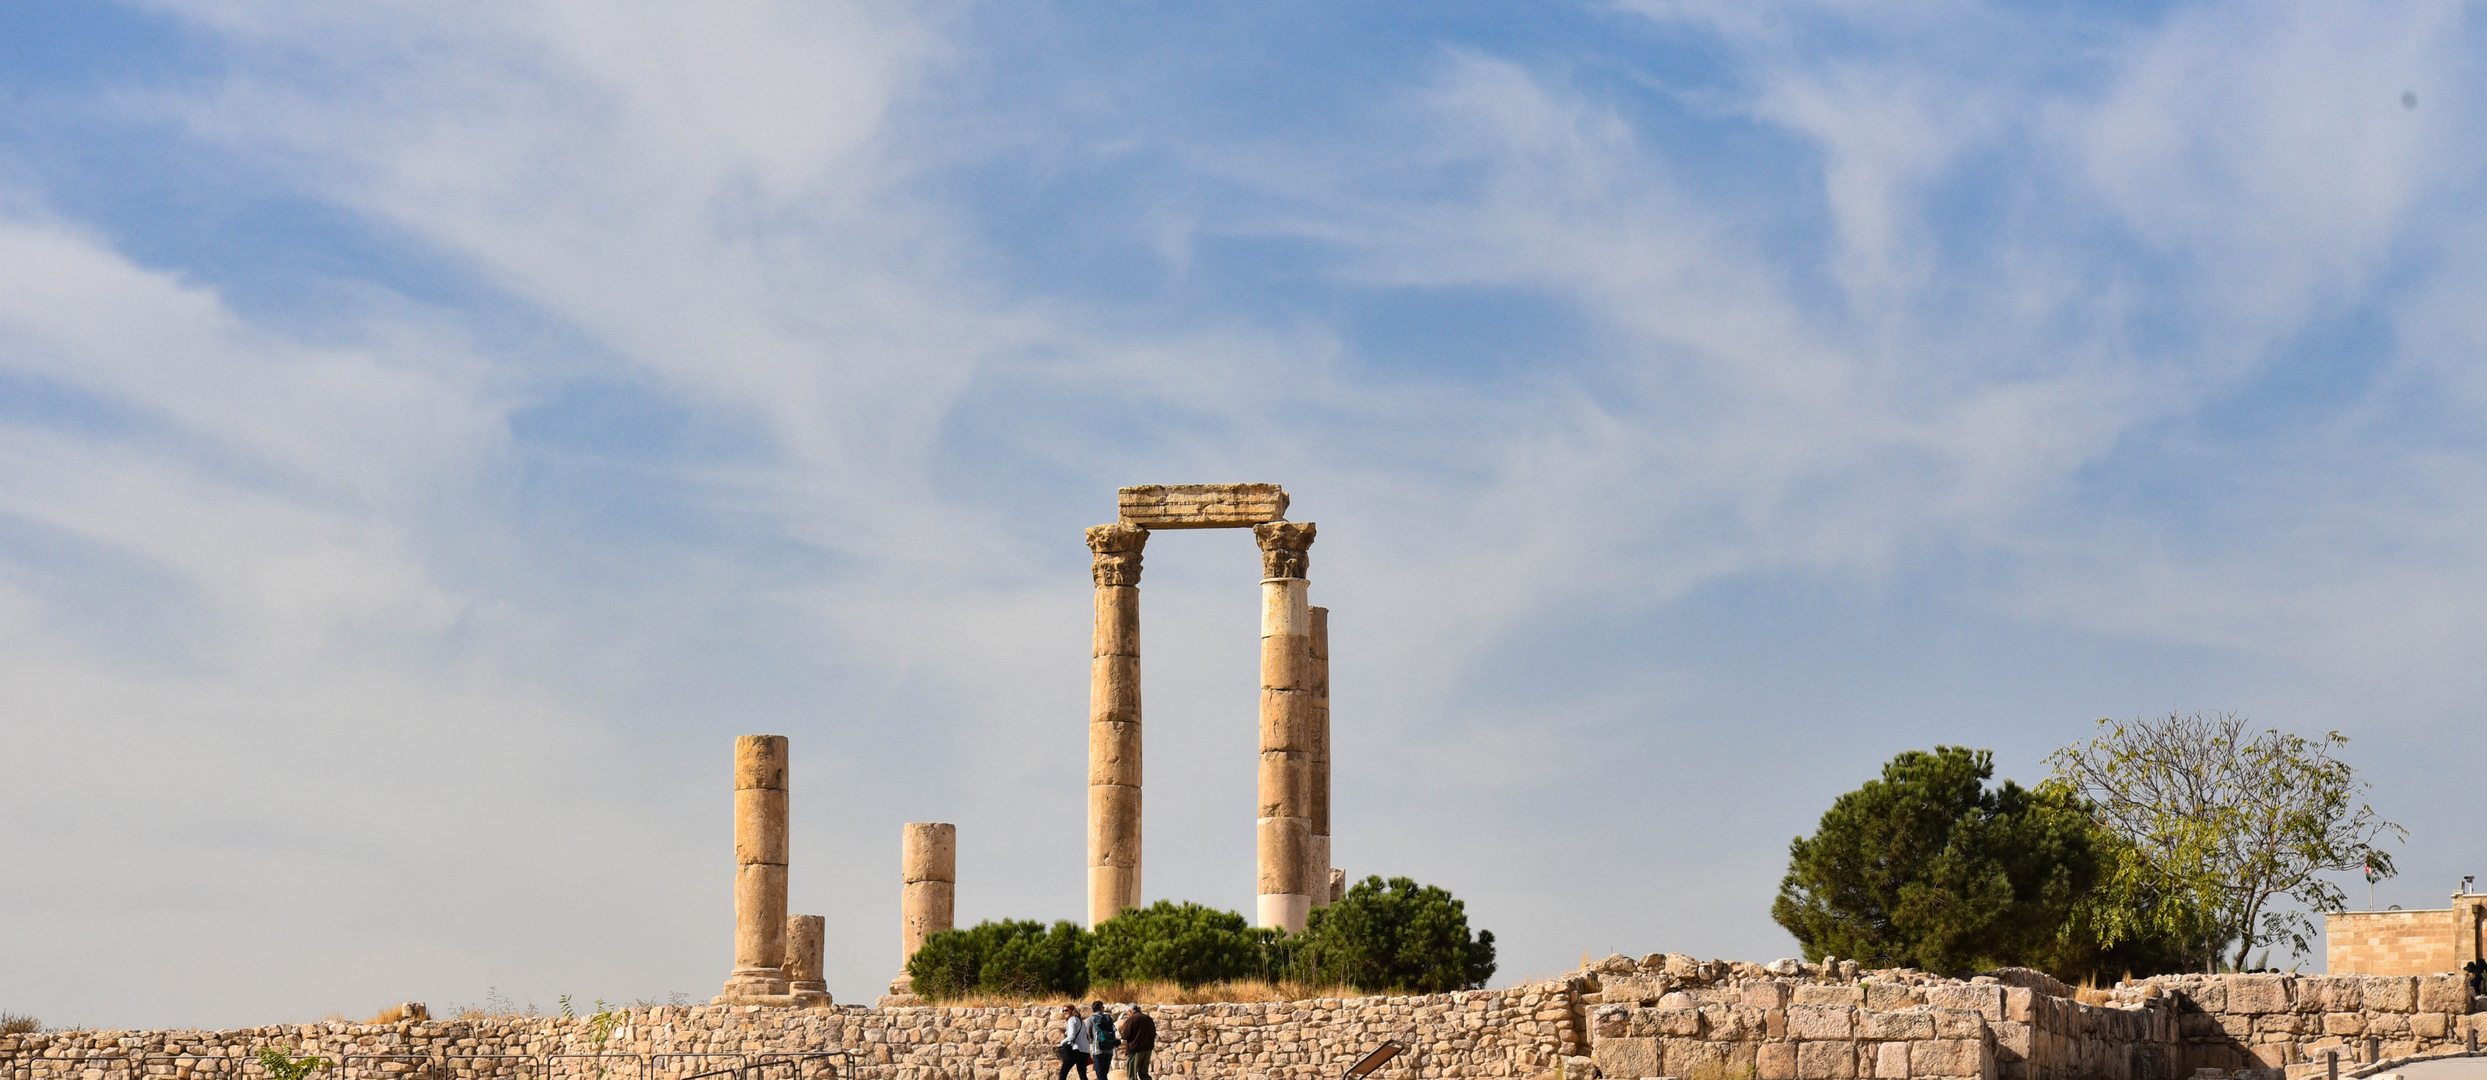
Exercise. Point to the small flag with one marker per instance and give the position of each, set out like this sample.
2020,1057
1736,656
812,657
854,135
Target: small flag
2371,876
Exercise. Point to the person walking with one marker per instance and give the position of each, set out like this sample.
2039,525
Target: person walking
1073,1050
1139,1039
1101,1038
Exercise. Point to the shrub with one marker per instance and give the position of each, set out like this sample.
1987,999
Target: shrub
1015,957
1392,935
1187,944
18,1024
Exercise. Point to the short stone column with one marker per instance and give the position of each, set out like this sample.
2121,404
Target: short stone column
806,936
1317,852
1284,834
928,869
1114,723
760,867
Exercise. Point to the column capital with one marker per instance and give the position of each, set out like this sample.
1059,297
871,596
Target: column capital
1284,547
1117,549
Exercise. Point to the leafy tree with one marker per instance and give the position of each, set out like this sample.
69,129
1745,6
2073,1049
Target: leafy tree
1395,935
1929,868
1018,957
2218,824
1187,944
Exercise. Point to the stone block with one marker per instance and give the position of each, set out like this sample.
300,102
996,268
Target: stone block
1626,1057
1775,1024
2331,994
2278,1055
1610,1020
1906,1024
1826,1060
1820,1021
2014,1041
2388,1025
1677,1022
2444,994
1767,995
2255,994
1693,1057
1729,1023
1888,996
1891,1060
1631,989
1947,1057
1829,995
2344,1024
1201,506
2290,1023
1775,1061
1986,1000
2017,1003
1959,1024
2430,1025
2396,993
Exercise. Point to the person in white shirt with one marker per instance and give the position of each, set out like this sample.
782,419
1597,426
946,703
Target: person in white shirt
1075,1046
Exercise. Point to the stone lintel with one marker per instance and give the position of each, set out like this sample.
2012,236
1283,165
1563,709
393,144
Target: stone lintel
774,1001
1202,506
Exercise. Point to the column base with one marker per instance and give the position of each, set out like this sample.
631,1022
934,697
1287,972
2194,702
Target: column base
1285,911
774,1001
755,982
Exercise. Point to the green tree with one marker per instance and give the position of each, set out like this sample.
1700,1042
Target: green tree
1395,936
1016,957
1187,944
1929,868
2218,825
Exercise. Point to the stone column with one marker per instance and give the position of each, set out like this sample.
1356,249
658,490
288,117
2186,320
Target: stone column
1285,827
804,937
760,867
1317,852
928,864
1114,723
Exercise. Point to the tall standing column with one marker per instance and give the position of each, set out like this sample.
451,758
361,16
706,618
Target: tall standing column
1285,827
1317,853
760,867
928,866
1114,723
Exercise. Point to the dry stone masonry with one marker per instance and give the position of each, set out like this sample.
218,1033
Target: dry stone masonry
1664,1015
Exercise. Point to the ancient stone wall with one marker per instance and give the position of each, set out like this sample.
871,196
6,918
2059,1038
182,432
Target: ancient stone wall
2277,1021
1517,1032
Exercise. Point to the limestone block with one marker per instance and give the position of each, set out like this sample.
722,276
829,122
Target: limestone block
2236,1025
1766,995
1910,1024
1114,689
2444,994
1626,1057
1775,1023
2019,1003
1775,1061
1287,721
1677,1022
1114,754
1281,842
1947,1057
1826,1060
2430,1025
2271,1055
1891,1060
2257,994
1633,989
1830,995
2388,1025
1820,1021
2331,993
1286,788
1693,1057
1958,1024
1607,1021
1987,1001
1117,627
1201,506
2388,993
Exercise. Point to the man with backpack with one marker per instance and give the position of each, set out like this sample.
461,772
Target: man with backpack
1101,1038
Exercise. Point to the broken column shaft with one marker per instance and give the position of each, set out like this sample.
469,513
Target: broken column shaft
760,867
928,861
806,936
1114,723
1284,833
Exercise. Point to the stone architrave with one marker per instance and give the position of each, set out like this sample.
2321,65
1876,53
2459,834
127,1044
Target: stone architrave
1114,723
1317,852
760,868
928,898
805,938
1201,506
1284,833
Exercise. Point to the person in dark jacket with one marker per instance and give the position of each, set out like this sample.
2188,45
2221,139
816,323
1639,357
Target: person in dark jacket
1139,1035
1101,1037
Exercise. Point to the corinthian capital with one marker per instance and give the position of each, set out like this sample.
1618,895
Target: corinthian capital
1117,549
1283,547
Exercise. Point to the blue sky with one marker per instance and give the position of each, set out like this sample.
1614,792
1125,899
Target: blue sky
429,433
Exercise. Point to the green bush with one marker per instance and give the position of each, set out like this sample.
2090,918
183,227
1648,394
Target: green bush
1187,944
1010,957
1393,936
